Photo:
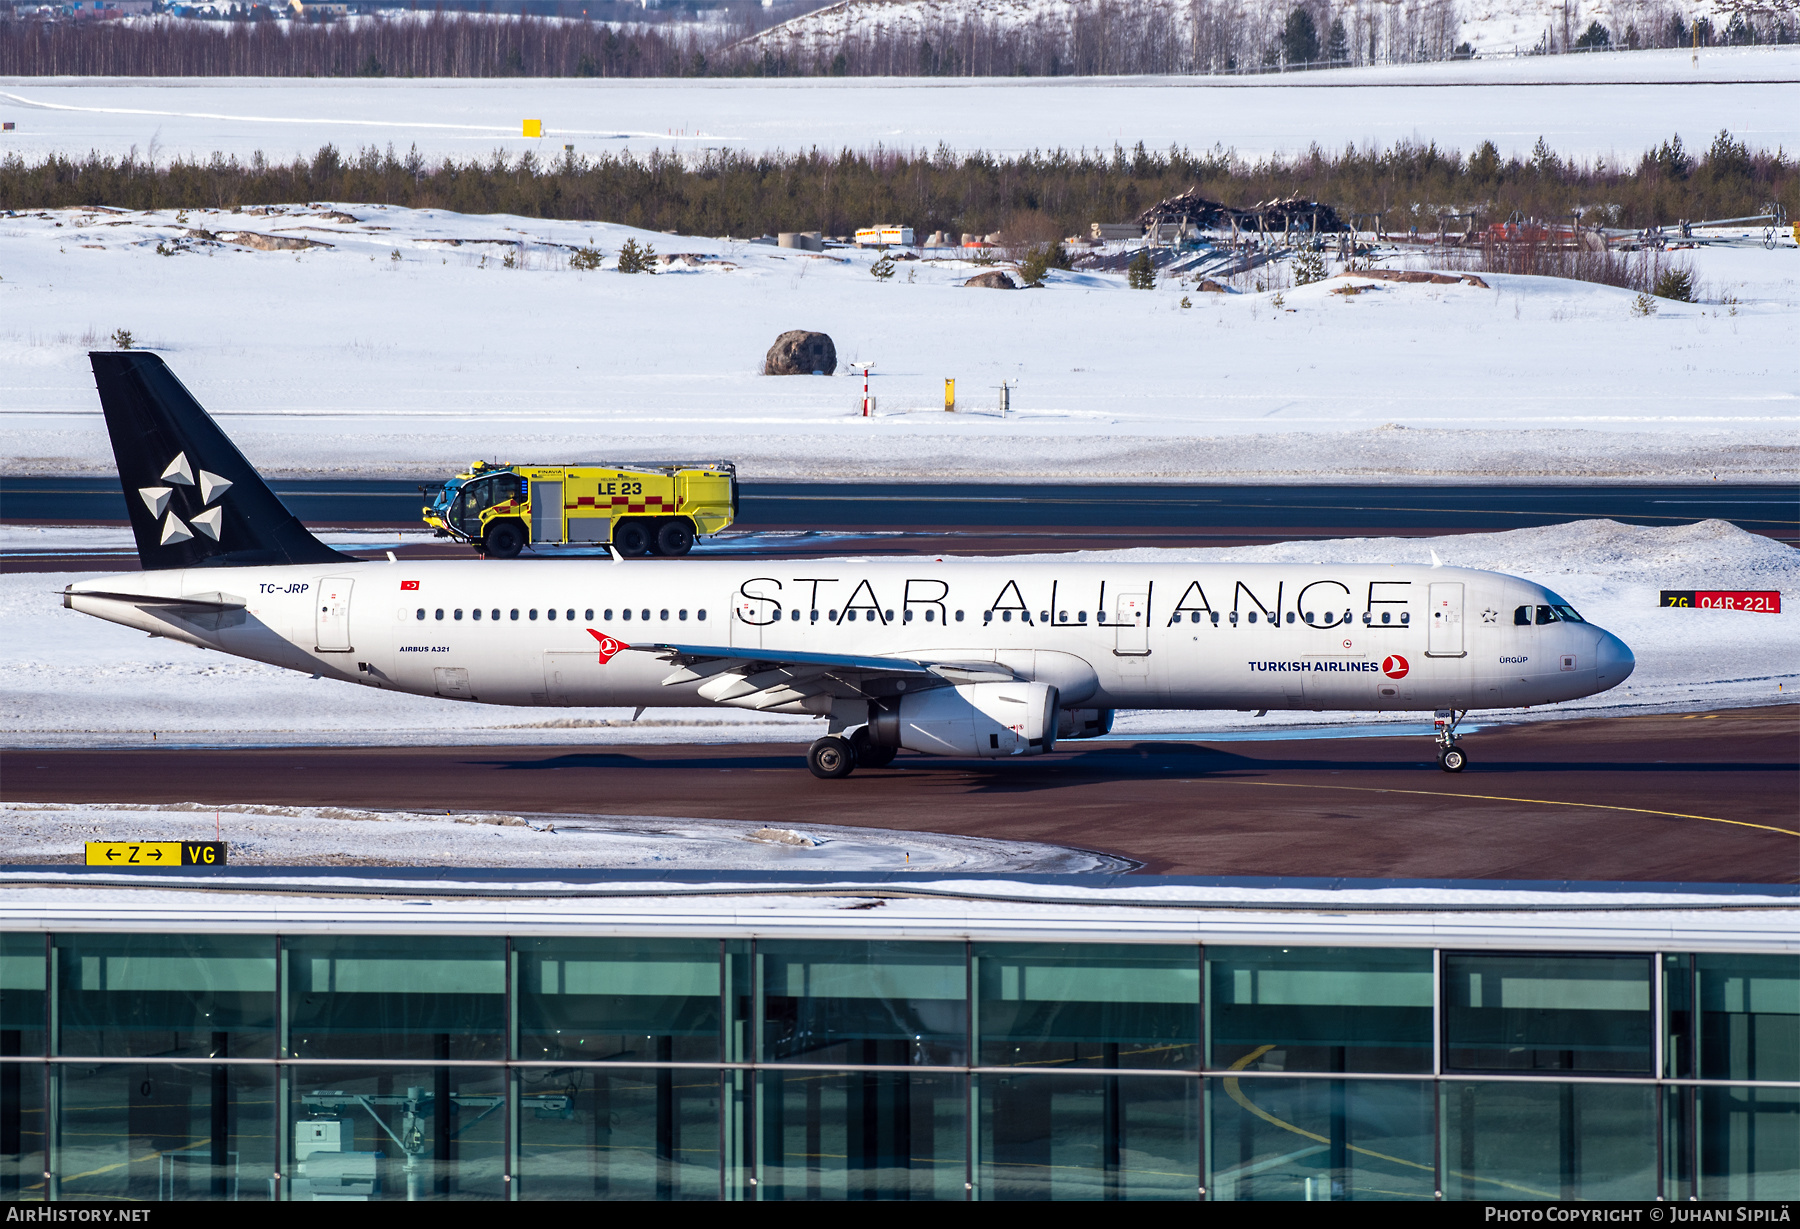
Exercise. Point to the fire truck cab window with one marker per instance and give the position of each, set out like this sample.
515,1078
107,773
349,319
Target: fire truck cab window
477,496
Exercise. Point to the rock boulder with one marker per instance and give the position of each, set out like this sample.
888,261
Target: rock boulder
800,353
993,279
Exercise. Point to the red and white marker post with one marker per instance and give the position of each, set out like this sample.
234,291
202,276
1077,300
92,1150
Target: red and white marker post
868,402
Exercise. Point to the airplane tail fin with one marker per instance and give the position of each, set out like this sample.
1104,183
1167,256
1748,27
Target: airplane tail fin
193,498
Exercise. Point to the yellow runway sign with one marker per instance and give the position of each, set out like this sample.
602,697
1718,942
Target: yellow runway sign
156,853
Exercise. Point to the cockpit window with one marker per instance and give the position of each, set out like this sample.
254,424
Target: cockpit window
1522,617
1547,614
1568,614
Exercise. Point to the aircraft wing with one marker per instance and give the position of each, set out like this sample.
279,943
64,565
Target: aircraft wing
784,679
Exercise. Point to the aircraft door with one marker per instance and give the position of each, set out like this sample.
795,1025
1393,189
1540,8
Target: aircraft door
331,615
546,511
1131,625
749,614
1445,638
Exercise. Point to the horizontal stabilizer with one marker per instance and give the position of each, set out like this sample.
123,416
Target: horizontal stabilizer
200,601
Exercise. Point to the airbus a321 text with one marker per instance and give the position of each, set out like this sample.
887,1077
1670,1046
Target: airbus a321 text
972,658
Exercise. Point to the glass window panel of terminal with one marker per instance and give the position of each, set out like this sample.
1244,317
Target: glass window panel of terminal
1548,1139
171,996
165,1131
1544,1012
618,1133
1749,1016
1319,1009
22,985
1087,1005
1749,1141
618,1000
21,1131
863,1135
1088,1135
883,1002
415,997
1322,1139
396,1133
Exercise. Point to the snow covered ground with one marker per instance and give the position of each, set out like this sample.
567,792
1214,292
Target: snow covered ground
1626,103
70,680
1494,28
319,836
404,346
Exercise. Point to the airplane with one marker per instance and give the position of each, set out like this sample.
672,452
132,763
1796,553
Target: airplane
976,658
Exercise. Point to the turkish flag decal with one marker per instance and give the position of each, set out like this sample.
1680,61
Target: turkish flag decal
608,646
408,584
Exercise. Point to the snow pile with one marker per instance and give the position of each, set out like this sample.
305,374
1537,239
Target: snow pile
340,836
70,680
420,348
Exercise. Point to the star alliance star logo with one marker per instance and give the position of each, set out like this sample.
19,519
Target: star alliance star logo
1490,616
180,473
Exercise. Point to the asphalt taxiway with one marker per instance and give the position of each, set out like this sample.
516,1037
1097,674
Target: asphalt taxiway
796,519
1675,797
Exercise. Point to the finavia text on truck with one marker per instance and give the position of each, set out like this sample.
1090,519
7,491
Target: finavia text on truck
639,508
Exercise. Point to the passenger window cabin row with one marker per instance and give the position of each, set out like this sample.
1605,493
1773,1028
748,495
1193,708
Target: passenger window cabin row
1522,617
494,616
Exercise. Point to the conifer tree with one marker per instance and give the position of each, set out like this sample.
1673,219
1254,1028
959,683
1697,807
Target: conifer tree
1140,274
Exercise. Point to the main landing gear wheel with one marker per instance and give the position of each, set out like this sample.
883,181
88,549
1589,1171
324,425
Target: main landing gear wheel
1452,759
868,754
831,757
504,541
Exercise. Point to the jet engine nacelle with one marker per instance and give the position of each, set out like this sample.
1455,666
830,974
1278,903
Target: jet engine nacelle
980,719
1084,722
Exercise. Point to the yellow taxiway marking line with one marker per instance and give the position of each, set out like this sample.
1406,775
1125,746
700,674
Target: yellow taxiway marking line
1546,802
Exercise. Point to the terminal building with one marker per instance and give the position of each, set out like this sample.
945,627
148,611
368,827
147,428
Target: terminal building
364,1034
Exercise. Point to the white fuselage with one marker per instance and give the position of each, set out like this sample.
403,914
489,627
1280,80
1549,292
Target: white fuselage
1106,635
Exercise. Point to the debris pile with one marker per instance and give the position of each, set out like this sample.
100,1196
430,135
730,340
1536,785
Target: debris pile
1293,213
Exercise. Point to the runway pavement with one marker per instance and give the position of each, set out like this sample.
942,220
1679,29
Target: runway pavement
1694,797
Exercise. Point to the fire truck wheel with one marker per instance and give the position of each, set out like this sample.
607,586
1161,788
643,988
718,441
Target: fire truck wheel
504,541
631,539
674,537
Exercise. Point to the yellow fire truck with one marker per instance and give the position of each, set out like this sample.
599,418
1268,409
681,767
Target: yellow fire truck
640,508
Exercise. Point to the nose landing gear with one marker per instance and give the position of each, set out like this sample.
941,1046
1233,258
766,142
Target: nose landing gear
1450,756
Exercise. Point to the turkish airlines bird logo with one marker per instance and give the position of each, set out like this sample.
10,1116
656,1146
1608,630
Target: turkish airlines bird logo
609,648
1395,667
